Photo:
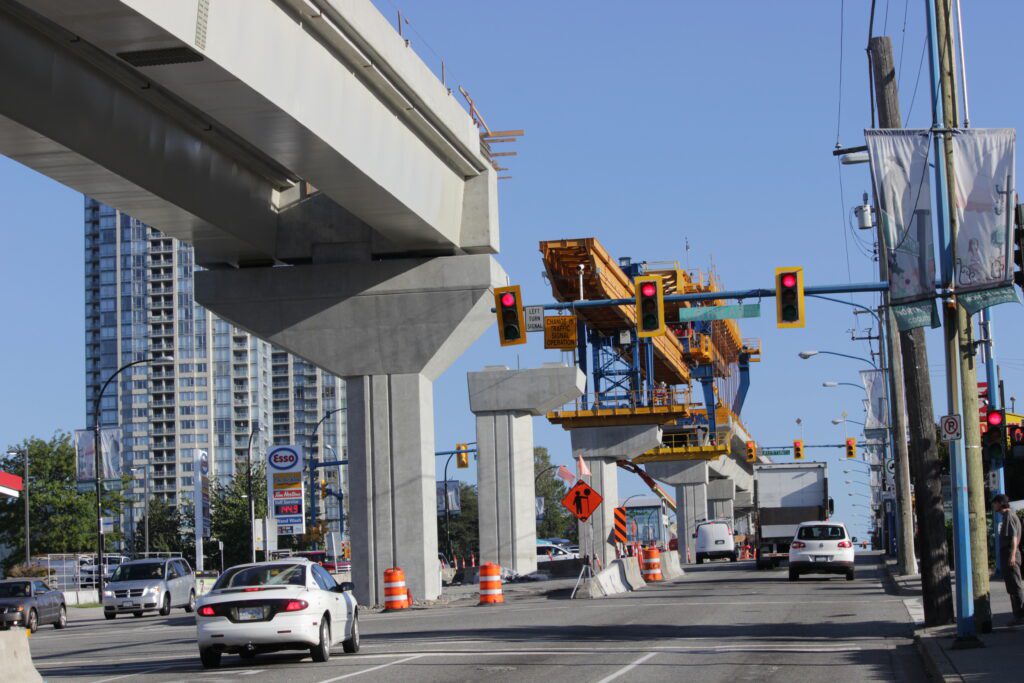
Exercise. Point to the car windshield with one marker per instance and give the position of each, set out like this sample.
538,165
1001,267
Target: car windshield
139,572
263,575
19,589
821,533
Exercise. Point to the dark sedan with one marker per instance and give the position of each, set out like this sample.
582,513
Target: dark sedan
30,603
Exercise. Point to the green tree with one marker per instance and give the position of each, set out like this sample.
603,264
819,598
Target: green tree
465,526
557,522
229,514
167,530
62,518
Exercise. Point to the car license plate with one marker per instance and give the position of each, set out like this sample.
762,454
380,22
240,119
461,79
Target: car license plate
822,558
127,603
250,613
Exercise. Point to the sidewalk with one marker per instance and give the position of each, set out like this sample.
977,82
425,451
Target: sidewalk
1000,659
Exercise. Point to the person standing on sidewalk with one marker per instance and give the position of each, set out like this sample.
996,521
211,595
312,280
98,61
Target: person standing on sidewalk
1009,549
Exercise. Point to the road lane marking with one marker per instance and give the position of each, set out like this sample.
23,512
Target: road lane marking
629,667
372,668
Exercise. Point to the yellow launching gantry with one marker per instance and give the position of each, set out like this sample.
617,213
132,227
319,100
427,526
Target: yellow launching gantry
647,381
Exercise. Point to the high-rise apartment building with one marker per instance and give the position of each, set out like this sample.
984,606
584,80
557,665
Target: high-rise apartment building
221,387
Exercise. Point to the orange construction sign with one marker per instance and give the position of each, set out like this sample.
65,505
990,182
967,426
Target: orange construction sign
581,501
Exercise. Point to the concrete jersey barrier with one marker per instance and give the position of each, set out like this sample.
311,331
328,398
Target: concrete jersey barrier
634,579
670,566
16,658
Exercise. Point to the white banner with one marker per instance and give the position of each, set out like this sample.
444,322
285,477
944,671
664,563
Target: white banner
876,405
900,172
86,456
983,160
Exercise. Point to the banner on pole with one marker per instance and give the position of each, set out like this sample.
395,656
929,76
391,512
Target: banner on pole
876,405
984,167
900,173
86,454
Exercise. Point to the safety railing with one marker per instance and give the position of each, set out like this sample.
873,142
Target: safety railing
696,438
658,397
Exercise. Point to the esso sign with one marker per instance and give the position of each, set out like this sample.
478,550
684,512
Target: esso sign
284,459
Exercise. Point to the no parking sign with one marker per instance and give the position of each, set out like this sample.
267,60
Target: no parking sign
950,427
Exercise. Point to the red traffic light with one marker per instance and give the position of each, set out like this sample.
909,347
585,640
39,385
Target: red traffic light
994,418
508,299
789,280
648,289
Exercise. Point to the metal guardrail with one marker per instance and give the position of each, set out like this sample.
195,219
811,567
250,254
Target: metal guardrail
658,397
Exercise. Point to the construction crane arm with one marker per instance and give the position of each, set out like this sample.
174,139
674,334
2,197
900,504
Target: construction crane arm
653,485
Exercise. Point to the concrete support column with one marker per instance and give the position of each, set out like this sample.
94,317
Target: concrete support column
505,490
721,494
392,497
601,447
691,507
504,402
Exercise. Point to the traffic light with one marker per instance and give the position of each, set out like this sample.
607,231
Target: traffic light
993,442
851,448
323,489
789,297
462,455
508,303
798,450
1018,245
1015,445
751,451
650,306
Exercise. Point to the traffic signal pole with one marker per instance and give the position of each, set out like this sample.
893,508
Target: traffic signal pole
940,62
994,403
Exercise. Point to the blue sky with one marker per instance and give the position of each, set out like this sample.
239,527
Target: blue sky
647,125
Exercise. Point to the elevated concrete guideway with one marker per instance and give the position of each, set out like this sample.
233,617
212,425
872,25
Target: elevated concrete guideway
194,115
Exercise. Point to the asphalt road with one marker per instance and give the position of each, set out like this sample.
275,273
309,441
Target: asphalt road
722,622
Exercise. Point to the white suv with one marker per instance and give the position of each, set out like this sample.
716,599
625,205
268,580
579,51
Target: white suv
821,548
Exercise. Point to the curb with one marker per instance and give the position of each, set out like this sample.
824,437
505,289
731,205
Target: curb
936,664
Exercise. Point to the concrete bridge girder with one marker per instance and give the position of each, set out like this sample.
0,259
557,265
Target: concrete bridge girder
505,402
197,145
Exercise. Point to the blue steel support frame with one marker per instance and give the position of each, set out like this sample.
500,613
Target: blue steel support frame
706,376
741,391
613,373
581,357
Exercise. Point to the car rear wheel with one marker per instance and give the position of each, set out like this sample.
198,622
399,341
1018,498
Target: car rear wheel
191,606
62,618
734,558
849,575
110,615
700,559
351,646
165,609
33,621
321,652
247,654
793,575
210,658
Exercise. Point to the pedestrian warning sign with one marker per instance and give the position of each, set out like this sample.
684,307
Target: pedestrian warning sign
581,501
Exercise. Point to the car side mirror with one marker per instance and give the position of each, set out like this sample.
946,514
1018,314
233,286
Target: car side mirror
346,587
695,534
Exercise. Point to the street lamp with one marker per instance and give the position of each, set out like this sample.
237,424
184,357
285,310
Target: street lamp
14,452
252,503
851,482
844,420
832,384
145,507
97,448
857,493
341,491
810,354
312,467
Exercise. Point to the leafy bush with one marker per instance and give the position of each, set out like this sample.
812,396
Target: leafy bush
21,571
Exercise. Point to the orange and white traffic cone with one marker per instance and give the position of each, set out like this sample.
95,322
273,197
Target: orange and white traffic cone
396,595
490,584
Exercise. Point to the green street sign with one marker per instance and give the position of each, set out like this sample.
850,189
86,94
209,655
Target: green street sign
695,313
777,451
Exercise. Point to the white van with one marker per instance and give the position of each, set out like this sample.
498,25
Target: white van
714,541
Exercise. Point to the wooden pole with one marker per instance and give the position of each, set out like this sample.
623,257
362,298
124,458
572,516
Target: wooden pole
910,356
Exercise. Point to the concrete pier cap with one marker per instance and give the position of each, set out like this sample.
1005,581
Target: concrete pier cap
504,402
616,443
389,328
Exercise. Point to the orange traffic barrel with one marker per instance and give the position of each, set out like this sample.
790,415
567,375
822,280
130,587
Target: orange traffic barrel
490,584
396,595
650,567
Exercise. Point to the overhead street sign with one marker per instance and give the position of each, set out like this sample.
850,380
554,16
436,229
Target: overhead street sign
950,427
581,501
777,451
534,318
695,313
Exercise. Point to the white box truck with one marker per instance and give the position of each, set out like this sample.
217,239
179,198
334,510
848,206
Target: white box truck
785,495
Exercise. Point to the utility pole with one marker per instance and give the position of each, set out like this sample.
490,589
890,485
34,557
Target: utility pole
976,507
901,346
940,68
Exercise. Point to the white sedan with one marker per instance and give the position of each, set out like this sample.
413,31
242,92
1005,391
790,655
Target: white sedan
289,604
821,548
